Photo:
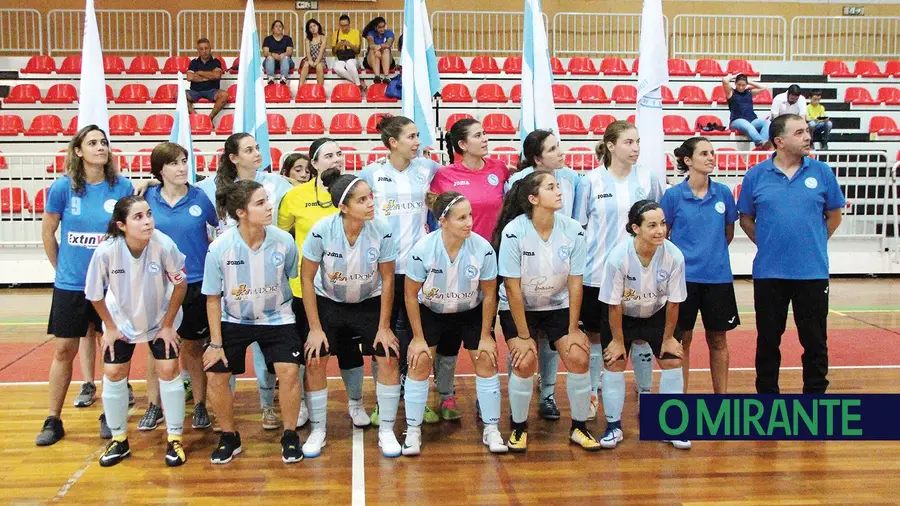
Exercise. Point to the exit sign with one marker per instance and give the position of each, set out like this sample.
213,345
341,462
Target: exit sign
854,10
306,4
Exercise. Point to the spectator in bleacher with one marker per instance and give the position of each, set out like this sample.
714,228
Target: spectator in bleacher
379,58
345,45
204,74
313,52
740,103
789,102
819,124
278,47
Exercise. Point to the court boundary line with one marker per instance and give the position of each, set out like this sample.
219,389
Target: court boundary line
358,481
63,490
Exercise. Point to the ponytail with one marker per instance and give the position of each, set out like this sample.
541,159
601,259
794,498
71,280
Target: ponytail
613,131
516,203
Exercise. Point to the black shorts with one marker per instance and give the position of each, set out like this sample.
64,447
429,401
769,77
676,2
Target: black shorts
440,327
195,323
649,329
348,352
343,321
280,344
124,350
71,314
302,323
399,319
715,303
551,325
594,312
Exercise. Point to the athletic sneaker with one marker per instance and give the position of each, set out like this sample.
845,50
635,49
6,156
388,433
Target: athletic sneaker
611,437
303,417
595,405
116,451
188,390
493,440
413,444
681,444
431,416
518,441
200,420
548,409
51,432
283,80
105,433
228,448
584,439
87,396
388,443
131,400
450,409
175,455
269,418
152,418
290,447
374,418
358,413
312,448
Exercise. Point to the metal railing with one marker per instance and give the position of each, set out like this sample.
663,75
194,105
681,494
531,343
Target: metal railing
822,37
358,19
719,36
21,31
598,34
471,32
224,29
122,31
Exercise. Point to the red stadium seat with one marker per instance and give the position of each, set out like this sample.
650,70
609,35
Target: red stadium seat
741,67
571,124
669,164
858,96
451,64
372,122
718,96
14,200
690,94
3,164
599,123
23,94
109,94
484,65
592,94
562,94
892,68
225,66
674,124
235,65
45,124
614,66
123,124
143,65
40,200
201,124
166,94
730,161
275,155
214,161
346,93
176,64
867,68
121,162
10,124
632,119
491,93
40,64
889,96
709,68
378,152
624,94
113,64
308,124
556,66
582,66
764,98
513,65
705,120
280,94
737,192
277,124
679,67
667,97
141,163
515,94
133,94
454,118
836,68
375,94
199,160
883,125
583,159
70,65
345,123
456,93
498,123
312,93
59,163
232,95
352,160
158,124
63,93
635,66
507,155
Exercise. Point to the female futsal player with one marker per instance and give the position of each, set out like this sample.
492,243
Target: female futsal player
296,168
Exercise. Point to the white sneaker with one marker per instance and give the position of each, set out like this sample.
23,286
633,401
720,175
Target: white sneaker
595,404
681,444
493,440
413,444
312,448
388,443
304,414
358,414
611,438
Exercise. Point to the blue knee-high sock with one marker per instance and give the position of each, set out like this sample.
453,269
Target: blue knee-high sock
444,374
488,392
613,395
353,379
520,390
318,408
596,365
548,359
671,381
232,383
172,395
388,402
115,405
416,394
264,379
578,386
642,361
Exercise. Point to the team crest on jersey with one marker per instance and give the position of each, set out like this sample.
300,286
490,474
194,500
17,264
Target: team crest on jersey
662,275
811,183
277,258
720,207
372,255
419,177
493,179
153,267
471,271
109,205
640,193
563,252
195,211
431,293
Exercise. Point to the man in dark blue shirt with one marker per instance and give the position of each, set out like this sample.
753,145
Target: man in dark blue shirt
204,74
790,205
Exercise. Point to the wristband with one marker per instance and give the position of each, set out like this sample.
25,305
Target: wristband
216,346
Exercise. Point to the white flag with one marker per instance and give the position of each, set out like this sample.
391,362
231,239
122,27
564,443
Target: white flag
652,74
538,111
420,79
250,106
92,96
181,130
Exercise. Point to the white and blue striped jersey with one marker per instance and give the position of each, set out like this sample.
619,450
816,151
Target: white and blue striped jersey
602,202
567,179
138,290
253,284
400,199
543,267
349,273
451,286
642,291
275,185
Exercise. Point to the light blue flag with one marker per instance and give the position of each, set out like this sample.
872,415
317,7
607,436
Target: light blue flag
652,74
538,111
181,131
92,97
250,107
420,73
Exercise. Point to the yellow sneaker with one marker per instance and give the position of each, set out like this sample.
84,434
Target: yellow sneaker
585,440
518,441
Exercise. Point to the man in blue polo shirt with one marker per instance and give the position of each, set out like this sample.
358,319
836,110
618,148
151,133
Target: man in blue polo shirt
790,205
204,74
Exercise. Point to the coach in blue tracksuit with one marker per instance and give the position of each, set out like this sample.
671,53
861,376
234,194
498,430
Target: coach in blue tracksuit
790,205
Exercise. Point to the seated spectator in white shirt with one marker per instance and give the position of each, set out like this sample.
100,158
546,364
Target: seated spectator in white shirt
789,102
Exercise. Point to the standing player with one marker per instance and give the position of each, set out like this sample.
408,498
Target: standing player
348,263
643,284
541,261
700,214
602,200
248,299
142,273
79,205
451,292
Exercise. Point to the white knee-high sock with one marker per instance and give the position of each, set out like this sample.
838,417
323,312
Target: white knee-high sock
596,366
172,395
642,361
488,392
416,395
578,386
613,395
548,360
672,381
388,402
520,390
318,408
115,405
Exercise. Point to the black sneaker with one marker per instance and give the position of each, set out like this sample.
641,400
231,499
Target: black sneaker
105,433
291,451
116,451
548,409
175,455
152,418
201,420
51,432
229,447
377,79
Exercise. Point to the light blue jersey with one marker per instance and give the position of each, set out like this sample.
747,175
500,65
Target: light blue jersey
400,199
642,291
138,290
451,287
349,273
253,284
543,267
567,179
275,186
602,202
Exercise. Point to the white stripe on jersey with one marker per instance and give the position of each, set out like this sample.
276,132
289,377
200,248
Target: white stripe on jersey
643,291
567,179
